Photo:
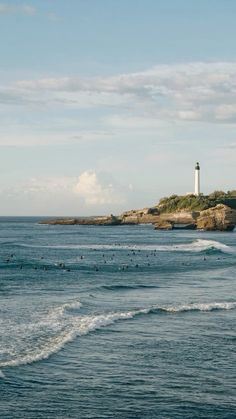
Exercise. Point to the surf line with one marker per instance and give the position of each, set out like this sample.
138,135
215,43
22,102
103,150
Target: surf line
83,325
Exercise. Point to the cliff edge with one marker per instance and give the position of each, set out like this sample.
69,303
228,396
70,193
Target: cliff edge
176,212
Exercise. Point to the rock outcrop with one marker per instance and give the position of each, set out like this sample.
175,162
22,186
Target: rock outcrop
220,217
181,217
103,220
142,216
164,225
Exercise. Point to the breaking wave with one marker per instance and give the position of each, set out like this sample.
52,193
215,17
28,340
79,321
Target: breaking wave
201,245
77,326
194,307
66,325
198,245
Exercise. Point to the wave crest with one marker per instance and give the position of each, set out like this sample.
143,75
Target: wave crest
68,327
195,307
198,245
78,326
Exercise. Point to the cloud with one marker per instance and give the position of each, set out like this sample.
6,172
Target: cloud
193,91
179,92
226,112
131,123
51,185
15,97
12,9
14,133
90,188
95,192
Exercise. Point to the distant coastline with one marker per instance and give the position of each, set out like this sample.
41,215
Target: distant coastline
214,212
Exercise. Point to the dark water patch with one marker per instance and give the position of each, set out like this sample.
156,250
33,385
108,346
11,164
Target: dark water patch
115,267
120,287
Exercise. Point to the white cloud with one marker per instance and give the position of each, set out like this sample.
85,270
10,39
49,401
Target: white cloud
20,135
91,189
185,92
52,185
133,122
14,8
226,112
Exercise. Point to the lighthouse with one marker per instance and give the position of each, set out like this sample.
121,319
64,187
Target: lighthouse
197,179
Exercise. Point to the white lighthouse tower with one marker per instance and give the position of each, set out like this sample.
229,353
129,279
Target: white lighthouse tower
197,179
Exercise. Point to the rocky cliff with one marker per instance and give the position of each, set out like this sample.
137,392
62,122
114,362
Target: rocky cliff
219,217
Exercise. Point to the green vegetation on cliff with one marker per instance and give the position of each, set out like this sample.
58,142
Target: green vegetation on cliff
176,203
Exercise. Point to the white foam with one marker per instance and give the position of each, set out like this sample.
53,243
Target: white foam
60,327
200,307
60,310
201,244
198,245
78,327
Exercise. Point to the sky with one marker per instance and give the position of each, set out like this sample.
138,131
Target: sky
106,105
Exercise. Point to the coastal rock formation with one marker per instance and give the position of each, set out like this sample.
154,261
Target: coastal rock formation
220,217
62,221
164,225
103,220
142,216
181,217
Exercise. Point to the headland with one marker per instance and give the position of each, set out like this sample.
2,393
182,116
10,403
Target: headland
213,212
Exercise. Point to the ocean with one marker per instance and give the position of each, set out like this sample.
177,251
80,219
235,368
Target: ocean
116,322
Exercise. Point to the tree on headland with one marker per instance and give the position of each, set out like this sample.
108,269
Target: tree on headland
175,203
217,195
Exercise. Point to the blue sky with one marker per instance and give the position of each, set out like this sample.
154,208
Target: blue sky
106,105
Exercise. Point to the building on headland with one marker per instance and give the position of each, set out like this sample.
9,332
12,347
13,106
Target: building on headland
197,180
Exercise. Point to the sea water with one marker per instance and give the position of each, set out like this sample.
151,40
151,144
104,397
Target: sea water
116,322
